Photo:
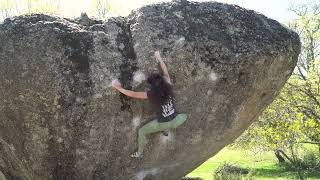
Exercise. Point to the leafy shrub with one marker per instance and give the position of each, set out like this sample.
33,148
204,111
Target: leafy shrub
287,166
232,172
311,160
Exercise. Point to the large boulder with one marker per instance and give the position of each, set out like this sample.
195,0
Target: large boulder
61,119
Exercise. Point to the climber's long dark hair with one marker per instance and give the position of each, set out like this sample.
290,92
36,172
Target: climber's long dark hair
161,90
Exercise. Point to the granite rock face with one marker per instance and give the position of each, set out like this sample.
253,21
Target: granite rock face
62,120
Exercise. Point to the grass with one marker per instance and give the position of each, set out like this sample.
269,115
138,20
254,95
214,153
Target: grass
264,165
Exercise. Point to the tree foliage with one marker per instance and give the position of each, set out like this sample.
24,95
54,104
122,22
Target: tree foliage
102,8
43,6
293,118
9,8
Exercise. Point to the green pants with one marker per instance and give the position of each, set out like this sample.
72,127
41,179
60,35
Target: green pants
155,126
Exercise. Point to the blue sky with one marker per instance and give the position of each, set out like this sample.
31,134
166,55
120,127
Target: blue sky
275,9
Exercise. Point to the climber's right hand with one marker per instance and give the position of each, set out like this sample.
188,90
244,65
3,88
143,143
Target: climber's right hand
116,84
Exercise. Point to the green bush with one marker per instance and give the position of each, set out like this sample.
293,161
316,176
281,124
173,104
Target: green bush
232,172
287,166
311,160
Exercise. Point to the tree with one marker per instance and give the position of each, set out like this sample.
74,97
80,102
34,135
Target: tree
306,81
102,8
43,6
294,116
7,8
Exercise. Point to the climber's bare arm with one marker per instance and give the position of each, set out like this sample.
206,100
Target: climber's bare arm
163,66
133,94
139,95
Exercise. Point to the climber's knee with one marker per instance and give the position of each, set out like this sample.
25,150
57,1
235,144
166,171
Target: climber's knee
183,116
179,119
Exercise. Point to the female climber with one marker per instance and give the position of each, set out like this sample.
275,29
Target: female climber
161,96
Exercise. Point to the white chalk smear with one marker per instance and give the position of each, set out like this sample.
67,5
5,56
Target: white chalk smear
213,76
143,173
139,76
136,121
136,45
180,41
165,139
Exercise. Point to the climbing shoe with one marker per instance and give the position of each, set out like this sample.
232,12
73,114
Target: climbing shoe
165,133
136,155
